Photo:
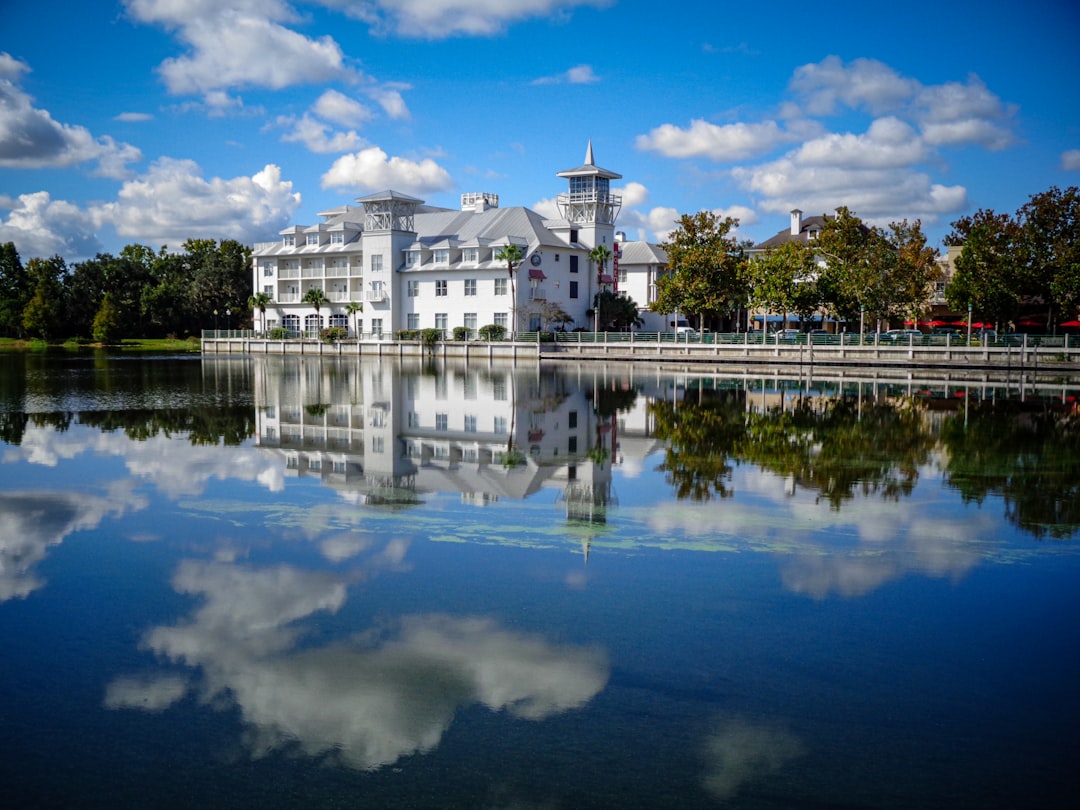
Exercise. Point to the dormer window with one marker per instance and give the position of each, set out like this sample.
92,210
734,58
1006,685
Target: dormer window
337,238
288,241
312,239
471,255
441,256
412,258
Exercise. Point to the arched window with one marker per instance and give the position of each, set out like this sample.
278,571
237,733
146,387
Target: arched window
312,325
292,323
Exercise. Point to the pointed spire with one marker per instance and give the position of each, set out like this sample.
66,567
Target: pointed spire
588,155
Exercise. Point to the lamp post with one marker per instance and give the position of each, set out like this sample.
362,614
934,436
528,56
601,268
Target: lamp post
228,319
862,322
969,323
215,323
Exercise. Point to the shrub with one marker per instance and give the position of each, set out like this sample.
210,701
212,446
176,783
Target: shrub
279,333
461,333
408,334
492,331
332,333
430,337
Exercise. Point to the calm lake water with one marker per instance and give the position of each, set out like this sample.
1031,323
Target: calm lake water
290,582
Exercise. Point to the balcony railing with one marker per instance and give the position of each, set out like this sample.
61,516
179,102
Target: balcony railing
375,295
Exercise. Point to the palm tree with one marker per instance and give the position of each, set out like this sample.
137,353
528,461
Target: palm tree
316,297
512,255
599,254
351,309
260,301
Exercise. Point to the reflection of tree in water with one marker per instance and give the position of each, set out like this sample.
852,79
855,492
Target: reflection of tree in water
839,447
701,436
230,425
1027,453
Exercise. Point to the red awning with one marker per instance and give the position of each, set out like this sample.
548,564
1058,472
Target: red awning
536,273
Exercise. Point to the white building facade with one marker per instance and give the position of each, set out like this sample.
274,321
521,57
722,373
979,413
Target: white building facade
413,266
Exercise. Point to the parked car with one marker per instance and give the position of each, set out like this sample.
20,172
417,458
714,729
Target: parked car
787,335
902,336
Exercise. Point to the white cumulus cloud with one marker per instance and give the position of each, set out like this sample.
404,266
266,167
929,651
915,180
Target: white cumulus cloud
41,226
449,18
1070,160
31,139
172,203
372,169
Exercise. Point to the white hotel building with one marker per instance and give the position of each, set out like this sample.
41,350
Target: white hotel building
415,266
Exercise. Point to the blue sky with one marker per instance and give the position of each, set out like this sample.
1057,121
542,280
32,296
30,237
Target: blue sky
155,121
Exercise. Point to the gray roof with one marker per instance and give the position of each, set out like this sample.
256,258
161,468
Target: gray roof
641,253
808,224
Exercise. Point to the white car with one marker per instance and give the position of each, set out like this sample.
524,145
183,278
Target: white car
903,336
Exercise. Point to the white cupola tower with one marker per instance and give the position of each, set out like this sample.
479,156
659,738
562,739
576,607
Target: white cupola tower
589,206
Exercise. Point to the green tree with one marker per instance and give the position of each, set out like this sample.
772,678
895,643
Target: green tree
43,312
15,291
260,301
784,280
352,308
856,261
599,256
316,298
512,255
1050,234
707,268
913,269
220,275
107,323
616,313
991,276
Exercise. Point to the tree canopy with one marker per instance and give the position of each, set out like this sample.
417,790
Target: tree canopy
706,268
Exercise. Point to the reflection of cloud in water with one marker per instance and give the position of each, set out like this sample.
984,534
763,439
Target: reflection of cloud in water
738,752
877,540
173,465
149,694
371,700
30,522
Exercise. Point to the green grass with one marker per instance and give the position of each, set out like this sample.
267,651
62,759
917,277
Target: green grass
132,345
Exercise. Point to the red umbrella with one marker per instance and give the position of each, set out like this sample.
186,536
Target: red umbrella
1070,325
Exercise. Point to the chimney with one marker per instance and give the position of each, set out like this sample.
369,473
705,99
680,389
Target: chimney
796,222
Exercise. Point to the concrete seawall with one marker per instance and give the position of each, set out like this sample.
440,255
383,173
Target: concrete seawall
1043,359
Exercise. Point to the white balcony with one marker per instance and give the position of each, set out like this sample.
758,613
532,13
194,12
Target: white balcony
375,295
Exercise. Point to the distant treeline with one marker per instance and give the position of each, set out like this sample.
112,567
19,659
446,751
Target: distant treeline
139,293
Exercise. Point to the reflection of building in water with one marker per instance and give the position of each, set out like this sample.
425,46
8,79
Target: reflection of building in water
390,431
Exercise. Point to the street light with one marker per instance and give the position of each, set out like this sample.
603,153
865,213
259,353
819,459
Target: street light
228,319
215,323
969,323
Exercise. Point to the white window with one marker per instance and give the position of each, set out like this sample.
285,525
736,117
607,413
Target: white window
412,419
376,263
412,320
470,423
500,425
376,326
289,241
500,286
312,239
414,288
440,287
412,258
337,237
441,256
269,290
501,319
470,286
378,444
441,421
268,269
470,255
470,322
498,389
440,320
